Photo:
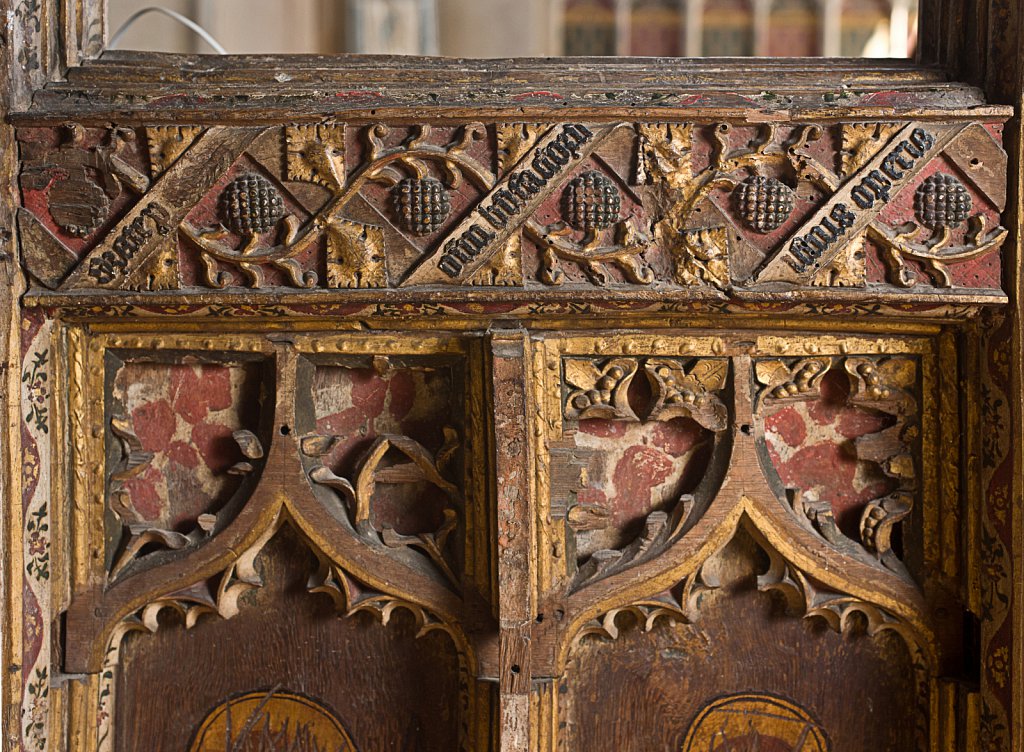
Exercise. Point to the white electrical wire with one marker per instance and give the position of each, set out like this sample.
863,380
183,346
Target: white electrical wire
184,20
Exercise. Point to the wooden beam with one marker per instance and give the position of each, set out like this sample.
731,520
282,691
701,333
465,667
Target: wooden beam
515,547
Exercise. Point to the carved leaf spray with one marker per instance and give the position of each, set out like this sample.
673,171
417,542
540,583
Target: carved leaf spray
422,466
317,155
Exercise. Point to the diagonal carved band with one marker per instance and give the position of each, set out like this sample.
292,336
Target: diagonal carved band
131,242
509,204
827,232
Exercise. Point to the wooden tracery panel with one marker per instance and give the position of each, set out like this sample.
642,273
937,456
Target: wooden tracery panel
704,591
634,422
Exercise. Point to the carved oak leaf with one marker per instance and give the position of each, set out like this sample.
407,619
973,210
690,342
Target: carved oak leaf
600,563
849,269
505,268
316,154
581,373
862,141
607,561
665,153
709,374
168,142
355,255
701,257
514,140
160,272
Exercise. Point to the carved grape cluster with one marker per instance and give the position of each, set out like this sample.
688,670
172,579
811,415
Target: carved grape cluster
802,381
942,201
251,205
422,204
872,383
601,394
674,395
764,203
592,202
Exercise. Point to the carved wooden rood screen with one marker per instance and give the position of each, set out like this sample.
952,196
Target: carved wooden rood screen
490,407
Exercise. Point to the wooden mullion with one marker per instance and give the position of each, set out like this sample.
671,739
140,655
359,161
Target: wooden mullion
516,559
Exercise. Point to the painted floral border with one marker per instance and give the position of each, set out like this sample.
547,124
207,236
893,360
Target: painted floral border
996,540
36,392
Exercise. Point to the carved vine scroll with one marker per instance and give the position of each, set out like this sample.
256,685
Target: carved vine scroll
668,326
707,208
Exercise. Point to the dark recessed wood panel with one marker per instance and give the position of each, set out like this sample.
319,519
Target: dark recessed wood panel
389,689
799,685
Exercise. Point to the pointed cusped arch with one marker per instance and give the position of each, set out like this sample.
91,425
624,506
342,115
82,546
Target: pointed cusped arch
834,578
284,491
224,597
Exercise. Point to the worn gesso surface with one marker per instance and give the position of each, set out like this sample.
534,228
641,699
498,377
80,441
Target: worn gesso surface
496,406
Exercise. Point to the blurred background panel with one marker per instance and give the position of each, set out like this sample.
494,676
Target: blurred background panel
528,28
241,26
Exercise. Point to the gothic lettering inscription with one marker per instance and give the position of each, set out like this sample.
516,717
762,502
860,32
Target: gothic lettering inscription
640,204
129,242
510,203
139,235
855,206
